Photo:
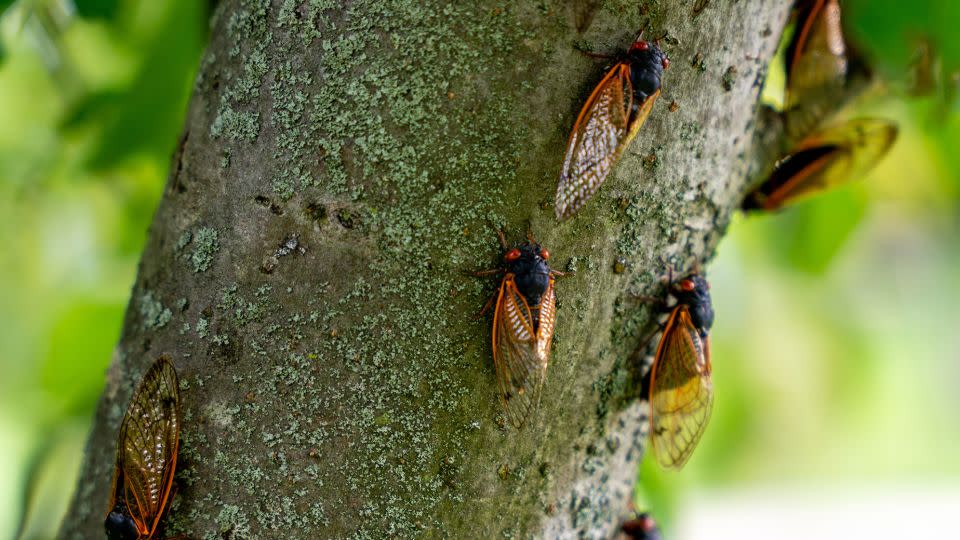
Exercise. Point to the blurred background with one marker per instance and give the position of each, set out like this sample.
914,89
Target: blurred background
836,347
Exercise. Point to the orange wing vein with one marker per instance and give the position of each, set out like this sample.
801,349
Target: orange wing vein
521,351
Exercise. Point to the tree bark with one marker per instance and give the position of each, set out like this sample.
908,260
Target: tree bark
339,168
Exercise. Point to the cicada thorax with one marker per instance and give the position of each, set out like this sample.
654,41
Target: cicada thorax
608,122
693,292
647,62
531,274
680,387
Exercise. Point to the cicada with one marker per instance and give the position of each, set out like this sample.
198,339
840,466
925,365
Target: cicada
681,388
608,121
836,155
643,527
523,322
146,456
818,69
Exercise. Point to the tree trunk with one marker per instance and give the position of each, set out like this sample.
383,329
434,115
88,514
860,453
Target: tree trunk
339,169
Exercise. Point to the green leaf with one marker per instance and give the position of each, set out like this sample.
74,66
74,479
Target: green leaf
79,348
146,116
97,9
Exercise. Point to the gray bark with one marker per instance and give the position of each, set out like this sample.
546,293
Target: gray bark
347,391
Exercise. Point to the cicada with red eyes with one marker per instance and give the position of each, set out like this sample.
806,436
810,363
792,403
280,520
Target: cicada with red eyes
643,527
523,322
681,388
818,71
146,456
824,160
608,122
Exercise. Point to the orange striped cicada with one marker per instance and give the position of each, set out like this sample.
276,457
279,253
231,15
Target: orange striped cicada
523,322
680,386
642,527
818,70
146,456
608,121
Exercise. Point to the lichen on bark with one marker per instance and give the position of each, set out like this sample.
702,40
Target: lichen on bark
345,389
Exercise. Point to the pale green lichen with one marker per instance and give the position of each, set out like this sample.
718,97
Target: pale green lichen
152,312
206,243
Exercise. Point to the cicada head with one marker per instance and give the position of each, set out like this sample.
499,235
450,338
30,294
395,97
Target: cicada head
528,263
120,526
641,528
694,292
647,62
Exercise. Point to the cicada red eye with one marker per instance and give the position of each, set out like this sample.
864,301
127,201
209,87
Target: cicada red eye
665,62
512,255
640,45
146,455
544,254
687,285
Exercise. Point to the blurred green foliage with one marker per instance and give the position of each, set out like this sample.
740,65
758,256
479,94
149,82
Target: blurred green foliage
93,95
835,350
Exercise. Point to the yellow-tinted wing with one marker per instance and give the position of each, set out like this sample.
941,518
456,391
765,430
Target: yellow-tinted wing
148,444
519,356
605,126
681,395
839,154
816,65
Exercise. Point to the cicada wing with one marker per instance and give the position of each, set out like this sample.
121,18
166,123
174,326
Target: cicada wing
148,444
545,324
520,367
817,65
603,129
824,160
681,397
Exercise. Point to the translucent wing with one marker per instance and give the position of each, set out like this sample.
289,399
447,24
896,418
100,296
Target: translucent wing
816,64
148,443
547,318
834,156
520,349
681,396
606,125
